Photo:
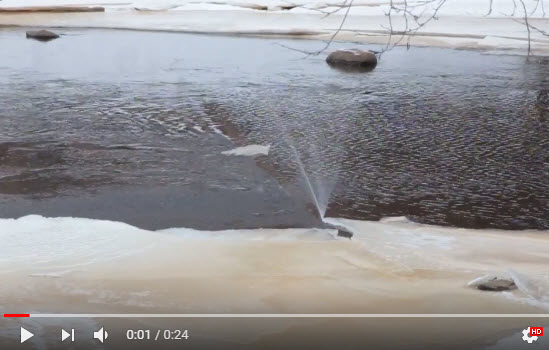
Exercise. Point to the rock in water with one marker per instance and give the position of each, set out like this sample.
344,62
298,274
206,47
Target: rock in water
352,60
42,35
493,283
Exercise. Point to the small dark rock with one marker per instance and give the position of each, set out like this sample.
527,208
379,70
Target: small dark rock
493,284
341,231
344,233
42,35
352,60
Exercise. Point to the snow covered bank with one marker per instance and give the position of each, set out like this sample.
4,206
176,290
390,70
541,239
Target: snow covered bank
384,256
459,24
41,244
393,266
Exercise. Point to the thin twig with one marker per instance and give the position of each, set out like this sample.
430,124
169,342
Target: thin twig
527,27
329,42
415,16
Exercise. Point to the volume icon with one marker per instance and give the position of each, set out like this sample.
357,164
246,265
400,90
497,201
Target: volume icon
100,335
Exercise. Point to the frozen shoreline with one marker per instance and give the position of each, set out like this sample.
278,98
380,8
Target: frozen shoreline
459,26
389,255
393,266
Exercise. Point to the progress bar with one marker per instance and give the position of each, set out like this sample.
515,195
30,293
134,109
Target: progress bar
278,315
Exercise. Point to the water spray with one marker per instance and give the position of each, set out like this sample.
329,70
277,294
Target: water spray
321,212
341,231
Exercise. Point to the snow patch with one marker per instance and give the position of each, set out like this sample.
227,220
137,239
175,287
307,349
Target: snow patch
250,151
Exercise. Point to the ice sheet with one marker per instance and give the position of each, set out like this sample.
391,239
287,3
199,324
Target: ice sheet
49,246
466,8
250,150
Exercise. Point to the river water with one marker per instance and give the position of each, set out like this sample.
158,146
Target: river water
131,126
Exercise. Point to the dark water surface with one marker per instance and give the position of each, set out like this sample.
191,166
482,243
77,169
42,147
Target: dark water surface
130,126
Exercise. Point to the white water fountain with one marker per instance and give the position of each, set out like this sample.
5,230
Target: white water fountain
321,196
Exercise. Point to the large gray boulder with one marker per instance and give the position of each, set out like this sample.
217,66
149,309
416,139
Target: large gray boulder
42,35
352,59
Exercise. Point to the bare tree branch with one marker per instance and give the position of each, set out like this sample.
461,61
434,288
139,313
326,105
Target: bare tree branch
527,27
490,8
536,29
415,15
329,42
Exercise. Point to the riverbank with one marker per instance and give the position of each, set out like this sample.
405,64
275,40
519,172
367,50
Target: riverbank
367,22
390,267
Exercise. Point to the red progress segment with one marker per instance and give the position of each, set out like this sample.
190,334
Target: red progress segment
16,315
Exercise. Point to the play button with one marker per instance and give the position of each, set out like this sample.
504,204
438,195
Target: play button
25,335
